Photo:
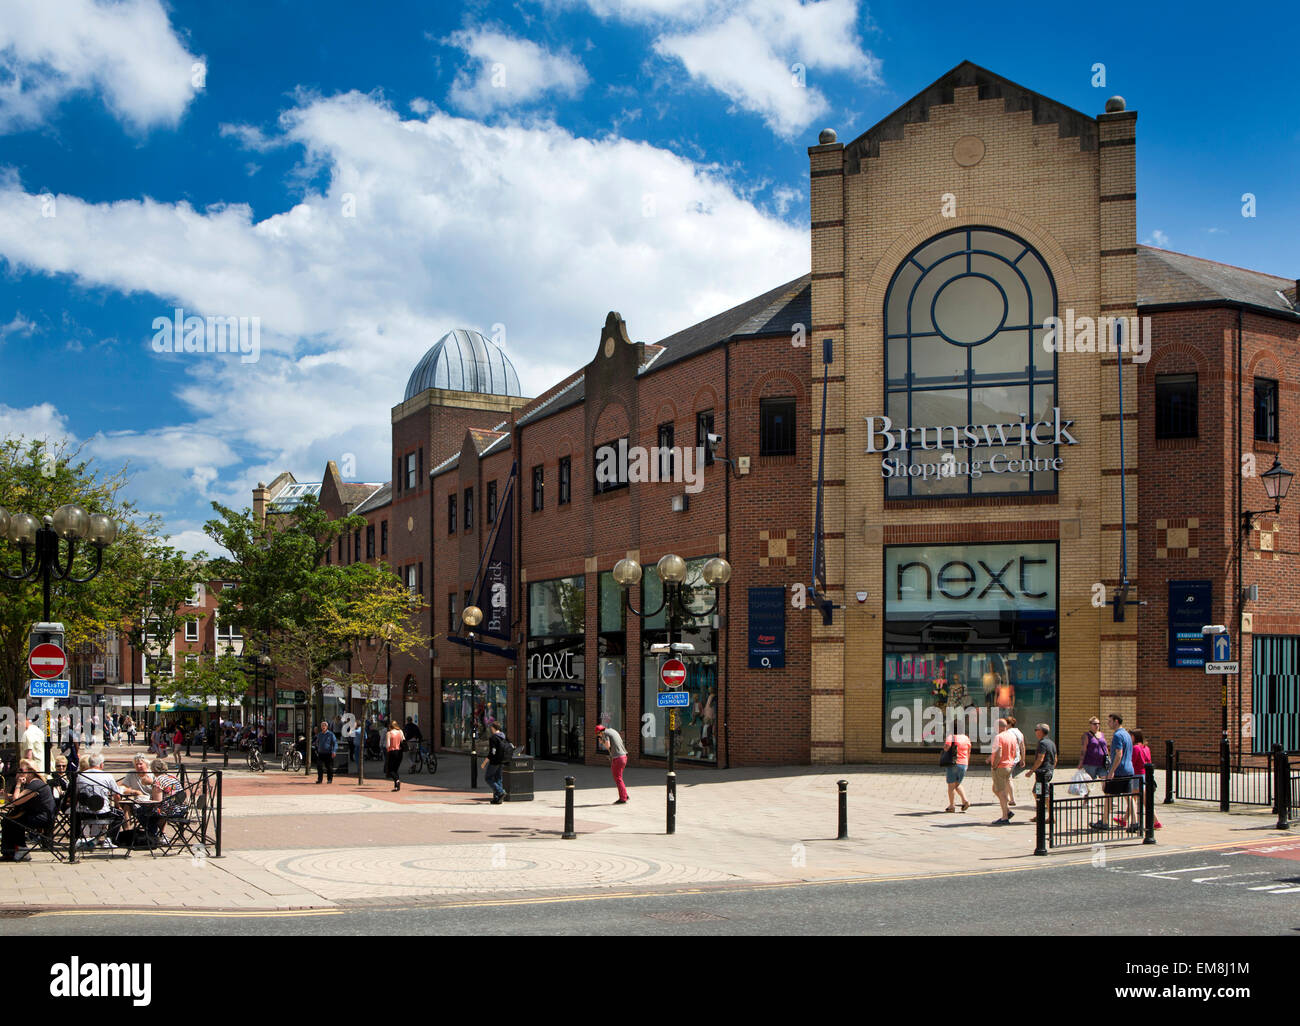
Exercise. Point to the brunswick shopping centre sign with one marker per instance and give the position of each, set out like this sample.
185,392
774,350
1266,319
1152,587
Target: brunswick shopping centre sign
959,445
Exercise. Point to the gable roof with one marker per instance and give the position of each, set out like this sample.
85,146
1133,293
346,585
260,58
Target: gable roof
1015,97
1169,279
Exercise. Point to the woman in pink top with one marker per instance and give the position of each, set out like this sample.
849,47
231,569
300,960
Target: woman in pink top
957,770
1141,760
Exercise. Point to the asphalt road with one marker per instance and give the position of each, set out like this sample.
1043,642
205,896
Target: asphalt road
1231,891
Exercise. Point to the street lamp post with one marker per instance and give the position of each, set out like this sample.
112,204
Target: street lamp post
71,524
672,572
1277,482
472,616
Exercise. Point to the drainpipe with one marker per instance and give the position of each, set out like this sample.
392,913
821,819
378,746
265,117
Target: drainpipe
1237,490
726,599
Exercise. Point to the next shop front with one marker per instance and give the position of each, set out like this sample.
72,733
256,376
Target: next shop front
971,635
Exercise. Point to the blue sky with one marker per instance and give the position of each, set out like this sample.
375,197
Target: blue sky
363,178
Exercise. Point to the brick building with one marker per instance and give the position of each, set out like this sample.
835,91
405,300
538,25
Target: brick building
1003,522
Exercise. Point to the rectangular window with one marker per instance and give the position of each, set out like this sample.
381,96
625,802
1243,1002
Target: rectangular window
492,502
665,452
451,514
340,548
419,582
1175,405
191,630
370,541
410,472
383,538
453,622
421,477
411,584
227,632
609,466
566,479
539,483
356,546
776,427
469,509
329,558
704,428
1265,410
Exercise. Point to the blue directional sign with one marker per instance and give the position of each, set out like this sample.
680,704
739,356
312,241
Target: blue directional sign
1222,648
671,699
48,689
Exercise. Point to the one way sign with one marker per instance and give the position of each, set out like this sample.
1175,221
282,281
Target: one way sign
1222,648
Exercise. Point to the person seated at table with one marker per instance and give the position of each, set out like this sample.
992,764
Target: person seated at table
32,809
163,800
139,781
93,782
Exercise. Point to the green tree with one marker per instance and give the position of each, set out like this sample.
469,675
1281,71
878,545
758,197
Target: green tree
223,677
37,478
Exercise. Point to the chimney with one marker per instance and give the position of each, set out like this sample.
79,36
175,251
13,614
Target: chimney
260,497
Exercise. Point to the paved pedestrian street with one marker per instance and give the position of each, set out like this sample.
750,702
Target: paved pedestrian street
289,843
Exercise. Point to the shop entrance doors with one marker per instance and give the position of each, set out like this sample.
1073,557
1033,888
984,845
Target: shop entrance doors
555,727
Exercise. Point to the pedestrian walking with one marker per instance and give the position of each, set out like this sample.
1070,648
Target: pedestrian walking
130,731
395,740
1094,752
499,752
1141,760
1045,764
1119,779
326,745
956,747
610,740
1003,758
178,739
1020,742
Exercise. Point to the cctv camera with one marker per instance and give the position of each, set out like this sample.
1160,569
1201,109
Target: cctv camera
714,440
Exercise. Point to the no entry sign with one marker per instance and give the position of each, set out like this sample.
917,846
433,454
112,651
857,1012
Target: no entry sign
47,661
673,673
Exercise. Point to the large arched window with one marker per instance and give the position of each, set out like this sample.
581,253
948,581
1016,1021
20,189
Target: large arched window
964,320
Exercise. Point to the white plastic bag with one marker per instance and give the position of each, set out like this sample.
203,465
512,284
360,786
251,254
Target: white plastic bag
1079,785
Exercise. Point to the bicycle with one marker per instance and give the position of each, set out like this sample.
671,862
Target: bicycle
421,758
255,761
290,756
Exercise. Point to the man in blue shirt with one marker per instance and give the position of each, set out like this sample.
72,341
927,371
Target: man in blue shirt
1120,779
326,745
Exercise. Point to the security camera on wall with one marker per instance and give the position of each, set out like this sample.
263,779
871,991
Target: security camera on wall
714,441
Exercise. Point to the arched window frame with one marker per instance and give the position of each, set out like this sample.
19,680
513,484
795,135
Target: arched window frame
900,382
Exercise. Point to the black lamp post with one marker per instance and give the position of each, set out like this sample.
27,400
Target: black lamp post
672,572
1277,482
71,524
472,616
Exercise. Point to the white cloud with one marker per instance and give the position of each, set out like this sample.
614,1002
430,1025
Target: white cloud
763,55
128,50
456,224
19,327
1158,239
509,72
42,422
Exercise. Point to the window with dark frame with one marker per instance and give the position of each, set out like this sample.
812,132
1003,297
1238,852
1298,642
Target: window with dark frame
1266,429
704,428
666,461
420,479
604,459
469,509
1176,406
451,514
356,546
539,483
776,427
370,541
566,479
383,538
452,621
410,472
492,502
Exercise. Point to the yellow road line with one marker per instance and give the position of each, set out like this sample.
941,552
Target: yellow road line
267,914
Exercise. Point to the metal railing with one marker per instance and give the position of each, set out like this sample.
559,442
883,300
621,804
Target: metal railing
1211,777
1080,813
187,822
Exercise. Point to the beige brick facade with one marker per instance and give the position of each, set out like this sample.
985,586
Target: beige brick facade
963,160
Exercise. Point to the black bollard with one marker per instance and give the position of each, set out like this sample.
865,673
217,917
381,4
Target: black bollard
1040,802
1225,775
672,803
1169,773
843,835
1282,788
569,833
1149,805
